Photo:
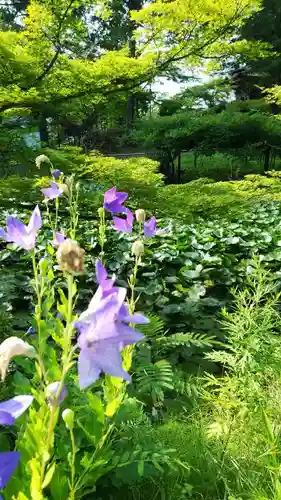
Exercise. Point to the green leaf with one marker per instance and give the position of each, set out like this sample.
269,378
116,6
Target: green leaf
49,475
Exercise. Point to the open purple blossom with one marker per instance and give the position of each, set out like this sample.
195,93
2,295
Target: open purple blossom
56,174
8,464
104,332
17,232
113,200
106,287
58,239
52,192
9,411
149,227
13,408
105,284
124,225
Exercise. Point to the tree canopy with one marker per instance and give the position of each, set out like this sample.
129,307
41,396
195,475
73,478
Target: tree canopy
50,59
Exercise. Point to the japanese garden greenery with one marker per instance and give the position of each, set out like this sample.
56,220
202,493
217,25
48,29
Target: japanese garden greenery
140,250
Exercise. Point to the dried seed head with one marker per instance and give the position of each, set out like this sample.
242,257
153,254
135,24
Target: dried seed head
138,248
140,215
70,257
13,346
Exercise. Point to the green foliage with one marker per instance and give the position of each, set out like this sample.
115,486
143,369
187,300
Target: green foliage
208,132
231,441
220,166
159,363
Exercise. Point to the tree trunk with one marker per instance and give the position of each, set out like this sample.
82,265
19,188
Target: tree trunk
267,158
131,103
43,129
179,169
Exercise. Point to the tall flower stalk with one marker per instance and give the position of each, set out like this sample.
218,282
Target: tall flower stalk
105,337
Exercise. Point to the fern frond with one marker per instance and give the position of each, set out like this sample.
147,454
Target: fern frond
154,328
186,385
152,379
198,340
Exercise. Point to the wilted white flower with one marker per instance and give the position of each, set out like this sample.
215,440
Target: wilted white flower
140,215
138,248
68,417
13,346
41,159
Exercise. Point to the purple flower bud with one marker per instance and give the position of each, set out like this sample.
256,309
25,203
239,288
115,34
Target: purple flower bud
58,239
56,174
55,393
31,331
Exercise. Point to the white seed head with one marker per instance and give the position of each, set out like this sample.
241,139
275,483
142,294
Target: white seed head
140,215
13,346
68,418
138,248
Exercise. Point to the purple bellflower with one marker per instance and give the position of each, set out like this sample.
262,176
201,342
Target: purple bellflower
113,200
58,239
105,284
149,227
17,232
56,174
106,287
52,192
9,411
8,464
124,225
104,331
13,408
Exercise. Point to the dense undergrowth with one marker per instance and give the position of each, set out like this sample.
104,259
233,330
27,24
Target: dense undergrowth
202,418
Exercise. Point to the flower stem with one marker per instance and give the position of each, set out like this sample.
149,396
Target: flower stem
66,364
57,215
102,229
72,466
132,285
38,313
68,328
49,215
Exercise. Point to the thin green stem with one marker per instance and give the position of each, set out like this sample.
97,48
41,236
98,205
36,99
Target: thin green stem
38,313
102,230
57,215
49,215
66,364
72,466
132,284
69,328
